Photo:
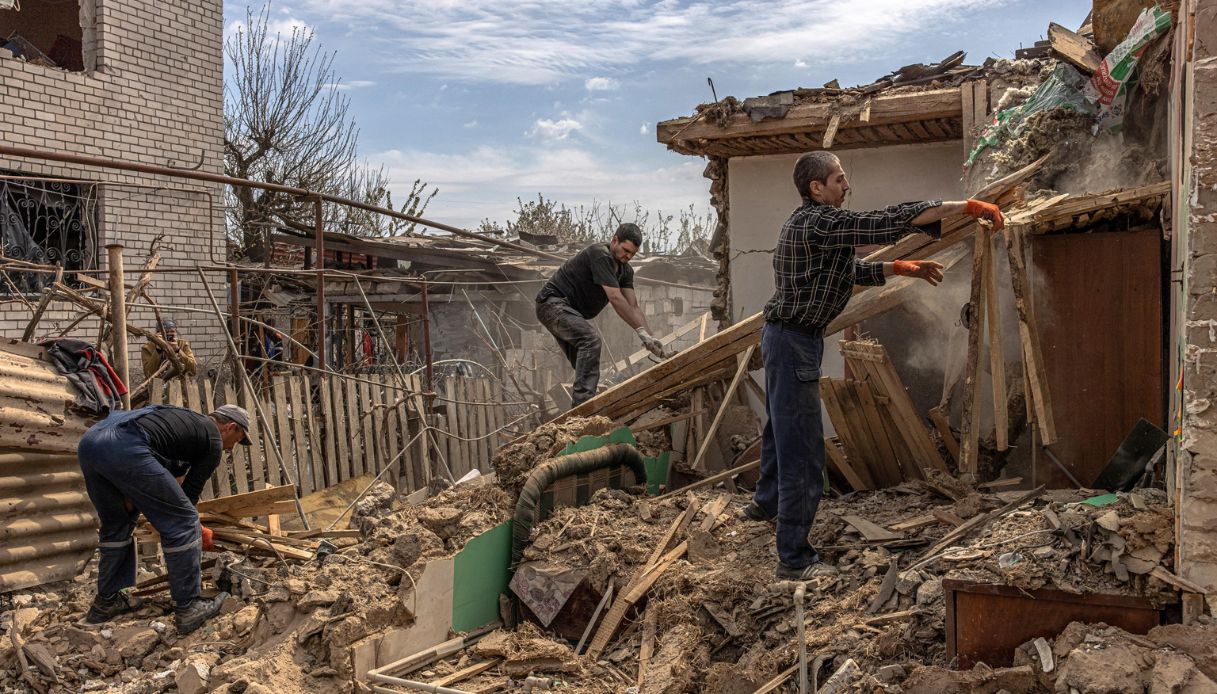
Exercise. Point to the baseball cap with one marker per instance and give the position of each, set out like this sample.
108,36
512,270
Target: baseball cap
236,414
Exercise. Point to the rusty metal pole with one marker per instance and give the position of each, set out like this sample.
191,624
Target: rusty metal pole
427,341
234,305
319,238
118,316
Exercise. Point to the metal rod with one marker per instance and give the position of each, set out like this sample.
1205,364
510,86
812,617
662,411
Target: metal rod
106,162
1053,458
118,316
234,305
319,239
267,432
426,307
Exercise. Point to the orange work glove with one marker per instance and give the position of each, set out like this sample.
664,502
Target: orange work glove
927,270
985,210
208,539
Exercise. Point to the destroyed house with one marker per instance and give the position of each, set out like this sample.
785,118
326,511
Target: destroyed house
136,80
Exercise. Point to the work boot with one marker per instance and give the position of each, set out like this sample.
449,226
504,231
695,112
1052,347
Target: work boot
196,612
753,511
787,573
106,608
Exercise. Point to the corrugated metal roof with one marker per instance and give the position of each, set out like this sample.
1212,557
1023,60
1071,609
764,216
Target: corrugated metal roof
48,527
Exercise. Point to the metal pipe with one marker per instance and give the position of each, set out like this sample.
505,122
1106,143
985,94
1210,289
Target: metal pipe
234,304
427,339
109,163
118,316
319,240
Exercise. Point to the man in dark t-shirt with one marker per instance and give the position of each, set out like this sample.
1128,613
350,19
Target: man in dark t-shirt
155,461
599,275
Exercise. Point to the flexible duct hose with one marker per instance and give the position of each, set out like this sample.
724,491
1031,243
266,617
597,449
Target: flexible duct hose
566,466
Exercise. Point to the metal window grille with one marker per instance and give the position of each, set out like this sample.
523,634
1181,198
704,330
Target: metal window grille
49,223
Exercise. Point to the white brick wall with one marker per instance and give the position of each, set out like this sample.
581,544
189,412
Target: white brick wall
155,97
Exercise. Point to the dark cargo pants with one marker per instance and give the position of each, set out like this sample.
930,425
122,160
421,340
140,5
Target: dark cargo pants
579,342
117,466
792,446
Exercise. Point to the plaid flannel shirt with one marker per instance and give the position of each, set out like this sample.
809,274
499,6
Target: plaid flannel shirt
814,265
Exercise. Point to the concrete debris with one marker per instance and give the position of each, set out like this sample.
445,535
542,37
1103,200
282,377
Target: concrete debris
292,632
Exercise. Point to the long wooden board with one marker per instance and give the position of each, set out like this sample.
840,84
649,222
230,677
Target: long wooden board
249,503
240,458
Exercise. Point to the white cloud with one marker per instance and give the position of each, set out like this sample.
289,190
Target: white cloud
601,84
800,64
554,129
644,129
353,84
542,42
472,124
483,183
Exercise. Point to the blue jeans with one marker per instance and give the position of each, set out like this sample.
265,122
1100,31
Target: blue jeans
792,447
117,466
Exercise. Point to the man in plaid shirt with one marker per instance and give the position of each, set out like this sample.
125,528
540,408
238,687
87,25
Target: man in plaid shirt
815,271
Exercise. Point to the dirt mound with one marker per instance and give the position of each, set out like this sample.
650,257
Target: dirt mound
514,461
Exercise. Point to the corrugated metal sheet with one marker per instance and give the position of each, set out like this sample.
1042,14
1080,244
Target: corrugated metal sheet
48,528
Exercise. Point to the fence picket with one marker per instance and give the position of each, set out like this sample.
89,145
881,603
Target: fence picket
312,464
336,427
296,419
283,433
240,461
256,464
349,468
325,396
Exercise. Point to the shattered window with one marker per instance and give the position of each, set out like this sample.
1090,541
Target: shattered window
46,222
47,32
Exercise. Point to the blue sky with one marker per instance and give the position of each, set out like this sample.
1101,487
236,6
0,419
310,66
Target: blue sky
494,101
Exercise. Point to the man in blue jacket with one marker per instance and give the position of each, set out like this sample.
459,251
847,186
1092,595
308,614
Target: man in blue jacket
155,461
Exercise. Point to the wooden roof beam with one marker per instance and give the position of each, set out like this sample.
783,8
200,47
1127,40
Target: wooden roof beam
892,108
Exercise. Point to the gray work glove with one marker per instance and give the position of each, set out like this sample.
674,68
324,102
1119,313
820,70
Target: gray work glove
652,345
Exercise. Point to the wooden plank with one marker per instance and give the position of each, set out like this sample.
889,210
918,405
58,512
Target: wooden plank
997,361
836,415
878,433
156,392
647,648
340,430
838,462
175,393
336,441
873,359
970,431
854,422
1073,48
240,456
485,423
458,460
256,463
373,402
221,480
319,452
1033,359
871,531
643,355
249,504
358,447
944,430
708,437
422,422
830,130
283,433
410,458
967,114
385,395
464,673
295,446
193,398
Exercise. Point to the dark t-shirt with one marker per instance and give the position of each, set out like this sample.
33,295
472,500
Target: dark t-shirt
581,280
186,443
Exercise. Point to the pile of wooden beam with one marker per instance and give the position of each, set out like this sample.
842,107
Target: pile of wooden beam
885,441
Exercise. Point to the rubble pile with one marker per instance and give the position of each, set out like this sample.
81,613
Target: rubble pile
1091,658
288,627
513,462
1110,546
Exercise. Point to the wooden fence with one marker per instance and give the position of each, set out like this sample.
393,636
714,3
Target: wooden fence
331,428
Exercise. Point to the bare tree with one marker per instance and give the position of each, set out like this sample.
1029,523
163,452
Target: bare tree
287,122
662,233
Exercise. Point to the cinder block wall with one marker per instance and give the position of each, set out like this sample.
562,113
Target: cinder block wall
152,92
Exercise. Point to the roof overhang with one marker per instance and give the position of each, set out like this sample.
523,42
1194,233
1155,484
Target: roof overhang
907,117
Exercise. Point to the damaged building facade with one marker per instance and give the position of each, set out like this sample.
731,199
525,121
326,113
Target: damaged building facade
135,80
